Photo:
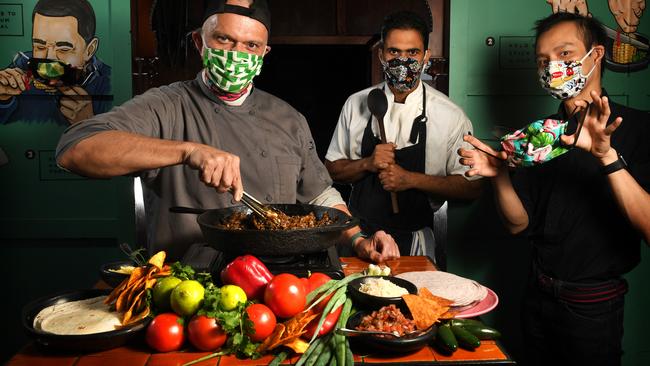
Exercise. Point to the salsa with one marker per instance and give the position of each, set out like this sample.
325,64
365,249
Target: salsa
387,319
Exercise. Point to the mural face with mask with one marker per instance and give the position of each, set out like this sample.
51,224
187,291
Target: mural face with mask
403,57
62,67
58,38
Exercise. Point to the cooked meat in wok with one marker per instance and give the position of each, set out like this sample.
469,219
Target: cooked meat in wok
242,221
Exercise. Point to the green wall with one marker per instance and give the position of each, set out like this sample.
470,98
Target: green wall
497,85
56,229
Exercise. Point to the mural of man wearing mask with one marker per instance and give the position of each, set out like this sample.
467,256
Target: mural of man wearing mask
61,79
584,210
189,139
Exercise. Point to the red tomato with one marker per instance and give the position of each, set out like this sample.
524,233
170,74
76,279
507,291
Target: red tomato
206,334
285,295
328,324
165,333
315,280
305,283
263,320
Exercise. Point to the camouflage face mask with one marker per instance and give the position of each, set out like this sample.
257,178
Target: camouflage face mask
231,71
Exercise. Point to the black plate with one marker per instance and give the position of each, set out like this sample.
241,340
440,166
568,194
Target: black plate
114,278
374,344
370,302
77,343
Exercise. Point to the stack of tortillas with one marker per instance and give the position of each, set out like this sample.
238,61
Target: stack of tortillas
460,290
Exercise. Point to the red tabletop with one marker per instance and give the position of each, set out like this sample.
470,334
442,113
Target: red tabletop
138,354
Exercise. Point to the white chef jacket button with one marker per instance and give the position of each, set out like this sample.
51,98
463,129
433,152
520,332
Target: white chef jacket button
268,198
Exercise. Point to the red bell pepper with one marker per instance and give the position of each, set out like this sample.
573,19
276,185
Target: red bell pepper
249,273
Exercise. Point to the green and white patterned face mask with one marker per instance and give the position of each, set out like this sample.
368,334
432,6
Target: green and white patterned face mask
231,71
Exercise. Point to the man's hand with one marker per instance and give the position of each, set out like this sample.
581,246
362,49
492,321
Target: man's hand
378,248
12,83
75,104
570,6
595,135
480,163
394,178
217,168
627,13
382,157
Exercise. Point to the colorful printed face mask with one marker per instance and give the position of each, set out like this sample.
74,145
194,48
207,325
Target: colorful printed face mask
564,79
534,144
540,141
231,71
402,73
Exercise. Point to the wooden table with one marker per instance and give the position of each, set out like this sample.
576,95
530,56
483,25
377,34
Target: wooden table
138,354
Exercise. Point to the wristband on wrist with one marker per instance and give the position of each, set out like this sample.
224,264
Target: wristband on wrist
619,164
356,236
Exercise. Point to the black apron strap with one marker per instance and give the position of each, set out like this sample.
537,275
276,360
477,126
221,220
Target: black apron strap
372,204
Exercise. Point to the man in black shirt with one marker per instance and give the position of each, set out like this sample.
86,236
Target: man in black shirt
584,211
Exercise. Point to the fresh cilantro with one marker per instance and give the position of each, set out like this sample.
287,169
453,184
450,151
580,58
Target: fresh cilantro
182,272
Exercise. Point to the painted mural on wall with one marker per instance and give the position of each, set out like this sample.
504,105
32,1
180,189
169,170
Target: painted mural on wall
61,79
627,50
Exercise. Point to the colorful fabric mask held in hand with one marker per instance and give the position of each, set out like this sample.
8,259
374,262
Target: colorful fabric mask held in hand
402,73
231,71
534,144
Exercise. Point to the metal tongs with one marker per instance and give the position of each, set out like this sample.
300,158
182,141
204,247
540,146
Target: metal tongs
263,211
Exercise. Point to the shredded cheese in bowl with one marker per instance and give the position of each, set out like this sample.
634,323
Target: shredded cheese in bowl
382,288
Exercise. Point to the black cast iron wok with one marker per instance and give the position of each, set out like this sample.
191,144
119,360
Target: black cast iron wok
271,242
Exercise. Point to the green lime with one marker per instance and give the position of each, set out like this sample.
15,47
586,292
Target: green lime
187,297
231,296
162,292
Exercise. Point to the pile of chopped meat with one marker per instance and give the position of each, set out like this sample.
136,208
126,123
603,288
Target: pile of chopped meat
242,221
387,319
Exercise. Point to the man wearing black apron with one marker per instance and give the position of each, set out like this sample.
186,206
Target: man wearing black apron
418,164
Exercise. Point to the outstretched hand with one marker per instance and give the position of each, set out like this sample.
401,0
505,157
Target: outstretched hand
595,135
478,161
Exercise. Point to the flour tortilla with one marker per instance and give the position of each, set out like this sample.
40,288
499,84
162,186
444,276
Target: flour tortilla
460,290
88,316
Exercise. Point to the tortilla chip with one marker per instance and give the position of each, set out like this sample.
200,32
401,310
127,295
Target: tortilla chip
450,314
425,312
136,318
272,339
298,323
158,260
149,283
133,307
424,292
297,345
116,292
136,275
